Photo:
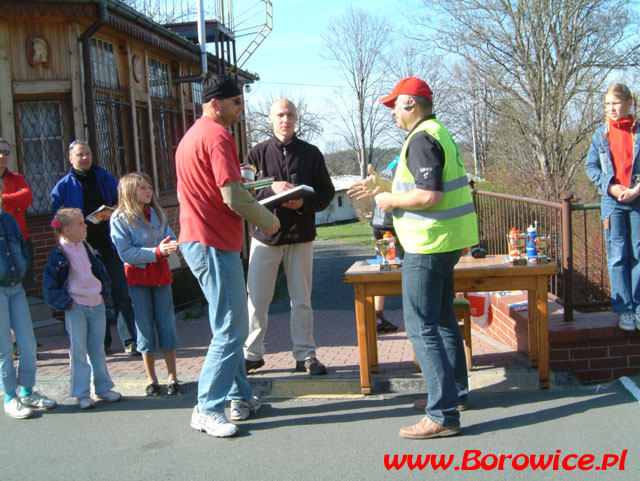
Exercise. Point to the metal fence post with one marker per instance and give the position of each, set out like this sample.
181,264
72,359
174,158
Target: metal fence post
567,256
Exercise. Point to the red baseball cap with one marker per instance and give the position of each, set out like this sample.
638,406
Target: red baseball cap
408,86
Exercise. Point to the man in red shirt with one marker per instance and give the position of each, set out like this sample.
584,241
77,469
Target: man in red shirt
16,199
213,202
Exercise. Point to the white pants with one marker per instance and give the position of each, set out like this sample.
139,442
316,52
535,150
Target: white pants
264,261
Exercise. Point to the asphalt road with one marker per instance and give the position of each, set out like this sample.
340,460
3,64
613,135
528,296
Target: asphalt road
345,439
329,292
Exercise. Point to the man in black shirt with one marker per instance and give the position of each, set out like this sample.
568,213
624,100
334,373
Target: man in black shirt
290,161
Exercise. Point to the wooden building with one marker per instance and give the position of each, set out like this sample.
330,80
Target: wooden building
99,70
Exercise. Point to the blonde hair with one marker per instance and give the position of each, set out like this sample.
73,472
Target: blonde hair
625,93
63,218
128,198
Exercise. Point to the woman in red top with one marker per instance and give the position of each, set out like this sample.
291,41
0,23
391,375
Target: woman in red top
16,199
613,165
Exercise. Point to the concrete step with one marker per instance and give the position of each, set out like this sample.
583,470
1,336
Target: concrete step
48,328
39,309
44,324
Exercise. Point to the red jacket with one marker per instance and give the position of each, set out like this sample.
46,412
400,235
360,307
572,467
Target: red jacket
16,199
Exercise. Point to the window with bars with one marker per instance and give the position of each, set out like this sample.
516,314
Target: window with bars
196,92
144,144
105,67
43,132
167,124
159,80
113,113
167,129
115,139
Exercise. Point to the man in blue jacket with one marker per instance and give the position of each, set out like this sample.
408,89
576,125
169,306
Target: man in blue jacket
87,187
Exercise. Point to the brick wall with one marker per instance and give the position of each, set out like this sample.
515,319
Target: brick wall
44,241
592,347
507,327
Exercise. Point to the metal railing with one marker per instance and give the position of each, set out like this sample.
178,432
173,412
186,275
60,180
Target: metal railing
575,243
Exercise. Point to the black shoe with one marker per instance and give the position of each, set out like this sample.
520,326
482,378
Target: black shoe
315,367
132,350
383,326
251,365
174,388
152,389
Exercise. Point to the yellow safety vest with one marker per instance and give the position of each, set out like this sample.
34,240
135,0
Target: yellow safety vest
452,223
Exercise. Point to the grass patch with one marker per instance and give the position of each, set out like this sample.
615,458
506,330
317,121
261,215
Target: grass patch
352,233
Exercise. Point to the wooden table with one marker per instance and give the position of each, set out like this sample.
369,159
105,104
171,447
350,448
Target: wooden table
470,275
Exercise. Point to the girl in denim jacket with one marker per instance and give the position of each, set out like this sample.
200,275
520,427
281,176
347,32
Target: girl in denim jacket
14,314
613,166
76,282
144,240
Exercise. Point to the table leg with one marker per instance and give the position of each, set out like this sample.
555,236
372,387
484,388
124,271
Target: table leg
372,333
363,346
542,302
532,300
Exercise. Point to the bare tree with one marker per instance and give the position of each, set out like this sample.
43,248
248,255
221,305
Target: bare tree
164,11
355,42
545,63
468,118
259,128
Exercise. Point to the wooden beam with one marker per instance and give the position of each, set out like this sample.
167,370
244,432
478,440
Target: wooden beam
75,73
30,87
139,96
132,98
7,115
152,136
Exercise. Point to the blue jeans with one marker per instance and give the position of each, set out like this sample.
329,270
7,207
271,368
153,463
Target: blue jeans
427,300
623,253
153,307
120,301
85,326
221,278
14,314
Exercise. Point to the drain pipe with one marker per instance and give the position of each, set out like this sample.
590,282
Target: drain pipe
85,40
202,40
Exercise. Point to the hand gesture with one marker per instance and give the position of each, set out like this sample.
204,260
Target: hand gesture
366,187
629,195
168,246
383,201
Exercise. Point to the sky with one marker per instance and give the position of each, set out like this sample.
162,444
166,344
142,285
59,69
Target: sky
289,61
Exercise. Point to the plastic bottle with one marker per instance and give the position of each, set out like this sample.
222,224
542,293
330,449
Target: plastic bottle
513,250
392,246
532,252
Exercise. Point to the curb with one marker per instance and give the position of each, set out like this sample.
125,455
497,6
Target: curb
488,380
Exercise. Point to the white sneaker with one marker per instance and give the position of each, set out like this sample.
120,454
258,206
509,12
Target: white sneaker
627,321
37,400
638,320
16,409
240,410
109,396
215,424
86,402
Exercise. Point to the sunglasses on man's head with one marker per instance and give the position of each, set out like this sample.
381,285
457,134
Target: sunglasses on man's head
5,152
76,142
